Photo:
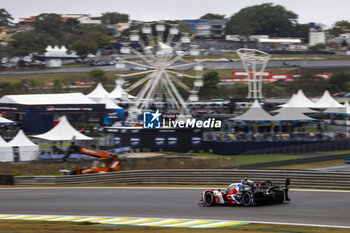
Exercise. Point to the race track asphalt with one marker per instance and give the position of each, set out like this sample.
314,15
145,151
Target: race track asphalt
307,207
210,65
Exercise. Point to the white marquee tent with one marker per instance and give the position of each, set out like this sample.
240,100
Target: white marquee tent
43,99
254,113
63,131
5,121
119,93
291,114
6,151
98,93
299,100
110,104
293,105
28,151
327,101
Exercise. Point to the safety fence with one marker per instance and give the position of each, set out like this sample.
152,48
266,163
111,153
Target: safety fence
299,179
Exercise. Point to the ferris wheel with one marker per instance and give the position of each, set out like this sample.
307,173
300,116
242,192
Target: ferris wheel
161,62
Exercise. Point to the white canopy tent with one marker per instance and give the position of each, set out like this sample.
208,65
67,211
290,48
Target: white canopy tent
347,112
63,131
291,102
5,121
44,99
6,151
344,111
110,104
347,108
254,113
299,100
28,151
327,101
293,105
257,113
291,114
119,93
98,93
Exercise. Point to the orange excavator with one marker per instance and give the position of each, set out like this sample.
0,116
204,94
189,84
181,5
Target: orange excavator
104,162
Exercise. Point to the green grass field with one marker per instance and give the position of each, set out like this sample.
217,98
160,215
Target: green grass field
169,160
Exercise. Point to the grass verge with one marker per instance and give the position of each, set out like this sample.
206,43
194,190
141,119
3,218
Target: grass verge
328,163
336,152
15,226
167,161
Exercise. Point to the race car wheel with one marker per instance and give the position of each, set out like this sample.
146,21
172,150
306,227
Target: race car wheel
209,199
246,199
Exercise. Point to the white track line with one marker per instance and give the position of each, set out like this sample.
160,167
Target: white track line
297,224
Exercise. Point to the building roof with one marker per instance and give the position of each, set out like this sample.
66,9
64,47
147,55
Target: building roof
73,15
45,99
31,19
63,131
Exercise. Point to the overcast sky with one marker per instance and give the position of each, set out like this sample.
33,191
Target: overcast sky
320,11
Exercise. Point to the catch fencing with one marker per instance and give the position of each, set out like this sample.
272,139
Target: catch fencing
299,179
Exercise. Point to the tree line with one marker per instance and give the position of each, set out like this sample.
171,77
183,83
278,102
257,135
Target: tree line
50,29
311,84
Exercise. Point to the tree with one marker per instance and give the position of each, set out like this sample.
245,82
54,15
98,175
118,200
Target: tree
57,86
210,85
212,16
183,27
71,25
84,47
317,47
340,27
7,88
5,18
312,85
242,26
272,90
24,43
50,24
88,40
99,76
264,19
114,17
238,90
338,82
344,43
302,30
101,39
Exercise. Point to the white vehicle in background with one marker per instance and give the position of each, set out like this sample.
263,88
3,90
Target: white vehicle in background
225,59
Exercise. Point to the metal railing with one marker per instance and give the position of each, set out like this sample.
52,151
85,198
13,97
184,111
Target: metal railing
299,179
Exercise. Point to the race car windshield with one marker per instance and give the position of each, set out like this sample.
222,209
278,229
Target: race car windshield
232,186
